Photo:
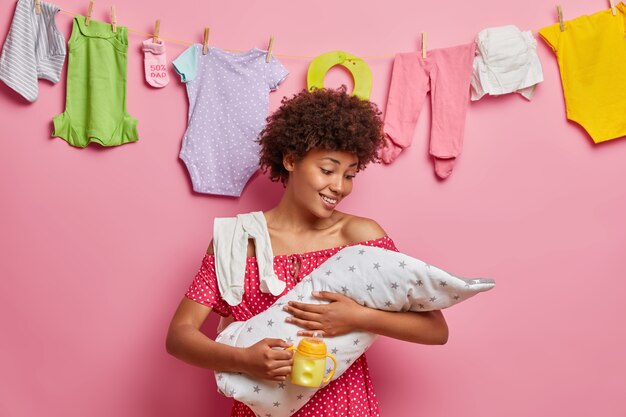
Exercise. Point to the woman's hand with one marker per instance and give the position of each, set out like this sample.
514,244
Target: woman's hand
262,361
334,319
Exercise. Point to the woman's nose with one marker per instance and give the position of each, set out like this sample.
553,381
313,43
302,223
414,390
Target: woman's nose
337,185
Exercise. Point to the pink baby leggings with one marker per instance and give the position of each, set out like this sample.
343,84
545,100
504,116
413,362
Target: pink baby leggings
446,73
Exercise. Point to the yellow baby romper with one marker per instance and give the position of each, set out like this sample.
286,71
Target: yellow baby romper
591,53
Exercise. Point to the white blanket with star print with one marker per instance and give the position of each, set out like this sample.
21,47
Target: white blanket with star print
373,277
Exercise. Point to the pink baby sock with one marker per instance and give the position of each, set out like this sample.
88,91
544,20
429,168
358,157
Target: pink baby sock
155,63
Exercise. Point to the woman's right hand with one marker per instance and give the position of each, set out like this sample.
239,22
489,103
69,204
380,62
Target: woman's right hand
262,361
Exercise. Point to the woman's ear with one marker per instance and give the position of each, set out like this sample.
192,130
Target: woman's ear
289,161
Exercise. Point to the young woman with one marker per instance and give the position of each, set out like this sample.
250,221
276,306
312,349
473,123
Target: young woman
315,144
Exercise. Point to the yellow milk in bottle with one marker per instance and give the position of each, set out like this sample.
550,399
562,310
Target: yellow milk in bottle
309,363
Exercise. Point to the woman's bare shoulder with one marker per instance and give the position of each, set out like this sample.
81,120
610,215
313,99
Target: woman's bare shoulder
360,229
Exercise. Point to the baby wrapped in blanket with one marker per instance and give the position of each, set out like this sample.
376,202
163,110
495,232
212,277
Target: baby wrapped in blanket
373,277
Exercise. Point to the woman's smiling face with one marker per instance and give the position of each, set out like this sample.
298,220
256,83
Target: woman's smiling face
322,179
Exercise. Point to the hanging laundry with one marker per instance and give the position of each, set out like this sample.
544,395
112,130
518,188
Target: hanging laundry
155,63
446,74
591,55
228,96
95,104
34,49
360,71
506,62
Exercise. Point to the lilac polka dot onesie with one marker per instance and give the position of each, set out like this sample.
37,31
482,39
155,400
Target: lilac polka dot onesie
228,102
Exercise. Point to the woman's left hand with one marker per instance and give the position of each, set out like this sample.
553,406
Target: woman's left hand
333,319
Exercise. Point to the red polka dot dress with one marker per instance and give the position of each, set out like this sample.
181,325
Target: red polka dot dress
352,394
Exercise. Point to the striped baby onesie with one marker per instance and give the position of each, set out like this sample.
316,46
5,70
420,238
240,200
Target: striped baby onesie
33,49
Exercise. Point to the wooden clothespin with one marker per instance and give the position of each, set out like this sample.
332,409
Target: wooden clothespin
268,57
113,19
157,27
38,6
612,3
89,11
205,44
559,13
424,45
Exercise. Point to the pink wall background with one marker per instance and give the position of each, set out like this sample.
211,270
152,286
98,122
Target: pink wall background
99,245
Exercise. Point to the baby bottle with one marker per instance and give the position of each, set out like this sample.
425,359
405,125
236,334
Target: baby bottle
309,362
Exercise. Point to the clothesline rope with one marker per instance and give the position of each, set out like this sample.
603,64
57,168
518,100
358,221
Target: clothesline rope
145,34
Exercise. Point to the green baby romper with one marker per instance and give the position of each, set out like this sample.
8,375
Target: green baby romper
95,104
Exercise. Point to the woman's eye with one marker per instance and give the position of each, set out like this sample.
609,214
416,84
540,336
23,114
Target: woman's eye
350,177
325,171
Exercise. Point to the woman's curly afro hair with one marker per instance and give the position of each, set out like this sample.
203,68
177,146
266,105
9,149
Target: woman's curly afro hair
321,119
